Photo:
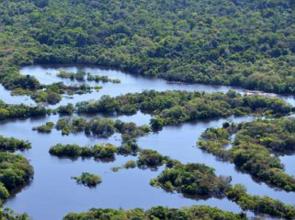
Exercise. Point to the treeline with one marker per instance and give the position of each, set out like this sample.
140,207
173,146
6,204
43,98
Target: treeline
13,144
240,43
191,213
256,148
175,107
8,111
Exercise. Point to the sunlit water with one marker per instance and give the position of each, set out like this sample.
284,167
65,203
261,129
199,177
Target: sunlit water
53,193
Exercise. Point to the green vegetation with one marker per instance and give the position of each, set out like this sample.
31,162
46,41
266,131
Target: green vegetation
88,179
8,214
52,94
8,111
150,159
174,107
104,152
13,144
79,76
103,79
130,164
191,213
66,109
255,148
259,204
129,147
241,43
15,173
199,181
46,128
101,127
195,180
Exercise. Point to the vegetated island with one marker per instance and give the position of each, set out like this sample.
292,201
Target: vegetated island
256,148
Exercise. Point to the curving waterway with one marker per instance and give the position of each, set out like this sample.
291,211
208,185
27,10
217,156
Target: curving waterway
53,193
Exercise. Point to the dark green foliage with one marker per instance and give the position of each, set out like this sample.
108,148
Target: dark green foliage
259,204
129,147
192,213
13,144
66,110
103,79
52,94
101,127
103,152
255,148
20,111
174,107
130,164
242,43
8,214
15,171
150,159
195,180
199,181
79,76
88,179
46,128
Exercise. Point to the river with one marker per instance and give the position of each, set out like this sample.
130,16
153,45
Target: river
53,193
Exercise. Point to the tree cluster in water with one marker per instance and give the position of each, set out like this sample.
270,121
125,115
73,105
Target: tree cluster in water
88,179
15,170
239,43
256,148
175,107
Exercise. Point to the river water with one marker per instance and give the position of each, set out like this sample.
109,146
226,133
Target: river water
53,193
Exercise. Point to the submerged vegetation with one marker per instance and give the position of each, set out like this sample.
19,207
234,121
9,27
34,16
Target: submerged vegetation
88,179
256,148
82,76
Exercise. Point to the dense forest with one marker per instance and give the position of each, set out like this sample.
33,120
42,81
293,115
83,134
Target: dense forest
241,43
